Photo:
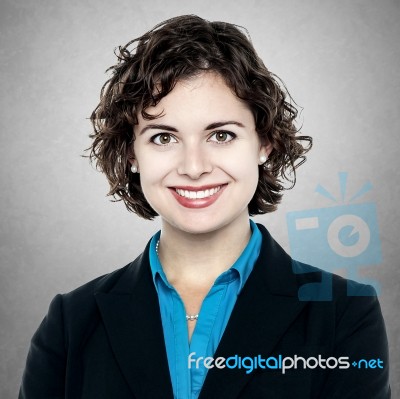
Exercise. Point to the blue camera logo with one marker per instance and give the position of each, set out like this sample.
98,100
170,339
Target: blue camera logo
339,237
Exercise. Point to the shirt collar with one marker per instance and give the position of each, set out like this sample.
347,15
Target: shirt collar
245,263
243,266
155,264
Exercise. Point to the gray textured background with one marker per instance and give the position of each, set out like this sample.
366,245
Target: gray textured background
339,59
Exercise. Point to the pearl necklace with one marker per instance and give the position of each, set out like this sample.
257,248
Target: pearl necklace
189,317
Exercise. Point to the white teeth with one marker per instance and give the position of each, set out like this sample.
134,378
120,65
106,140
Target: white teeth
197,194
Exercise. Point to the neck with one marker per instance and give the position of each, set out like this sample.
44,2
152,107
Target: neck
198,259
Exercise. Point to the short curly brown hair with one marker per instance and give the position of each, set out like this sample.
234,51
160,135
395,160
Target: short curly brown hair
147,70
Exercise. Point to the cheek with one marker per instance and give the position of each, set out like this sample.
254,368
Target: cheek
149,182
244,167
153,170
251,175
149,175
145,160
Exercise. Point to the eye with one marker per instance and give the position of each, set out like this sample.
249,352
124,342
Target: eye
163,139
222,137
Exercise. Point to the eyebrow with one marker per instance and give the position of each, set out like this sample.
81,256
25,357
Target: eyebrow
160,127
215,125
211,126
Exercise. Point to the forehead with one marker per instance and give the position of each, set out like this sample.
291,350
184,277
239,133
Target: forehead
204,96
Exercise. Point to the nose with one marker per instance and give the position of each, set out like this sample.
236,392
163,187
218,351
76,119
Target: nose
194,162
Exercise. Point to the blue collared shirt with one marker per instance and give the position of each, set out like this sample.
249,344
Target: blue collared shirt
213,316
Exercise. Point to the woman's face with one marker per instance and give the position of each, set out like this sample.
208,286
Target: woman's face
198,162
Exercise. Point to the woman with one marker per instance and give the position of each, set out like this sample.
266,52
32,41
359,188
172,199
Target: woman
193,127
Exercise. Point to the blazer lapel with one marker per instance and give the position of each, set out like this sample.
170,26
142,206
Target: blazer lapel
131,315
265,308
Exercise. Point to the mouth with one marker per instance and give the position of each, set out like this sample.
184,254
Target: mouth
197,197
196,194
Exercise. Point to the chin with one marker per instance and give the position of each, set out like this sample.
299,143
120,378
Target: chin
195,226
197,223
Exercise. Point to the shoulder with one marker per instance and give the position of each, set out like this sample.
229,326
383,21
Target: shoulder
319,284
102,283
78,308
354,306
325,293
120,279
285,275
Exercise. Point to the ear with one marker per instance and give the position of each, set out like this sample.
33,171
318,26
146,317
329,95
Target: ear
265,149
133,161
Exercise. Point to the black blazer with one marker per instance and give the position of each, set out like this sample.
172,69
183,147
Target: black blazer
104,340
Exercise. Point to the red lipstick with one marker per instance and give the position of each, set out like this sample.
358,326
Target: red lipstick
196,202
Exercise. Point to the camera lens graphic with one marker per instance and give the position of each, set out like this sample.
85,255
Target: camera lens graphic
348,236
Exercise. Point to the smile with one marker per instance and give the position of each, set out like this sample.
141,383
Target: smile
198,194
197,197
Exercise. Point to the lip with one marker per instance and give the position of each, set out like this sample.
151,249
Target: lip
197,202
199,188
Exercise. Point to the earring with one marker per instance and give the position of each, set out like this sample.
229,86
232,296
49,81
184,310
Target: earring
263,159
134,169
